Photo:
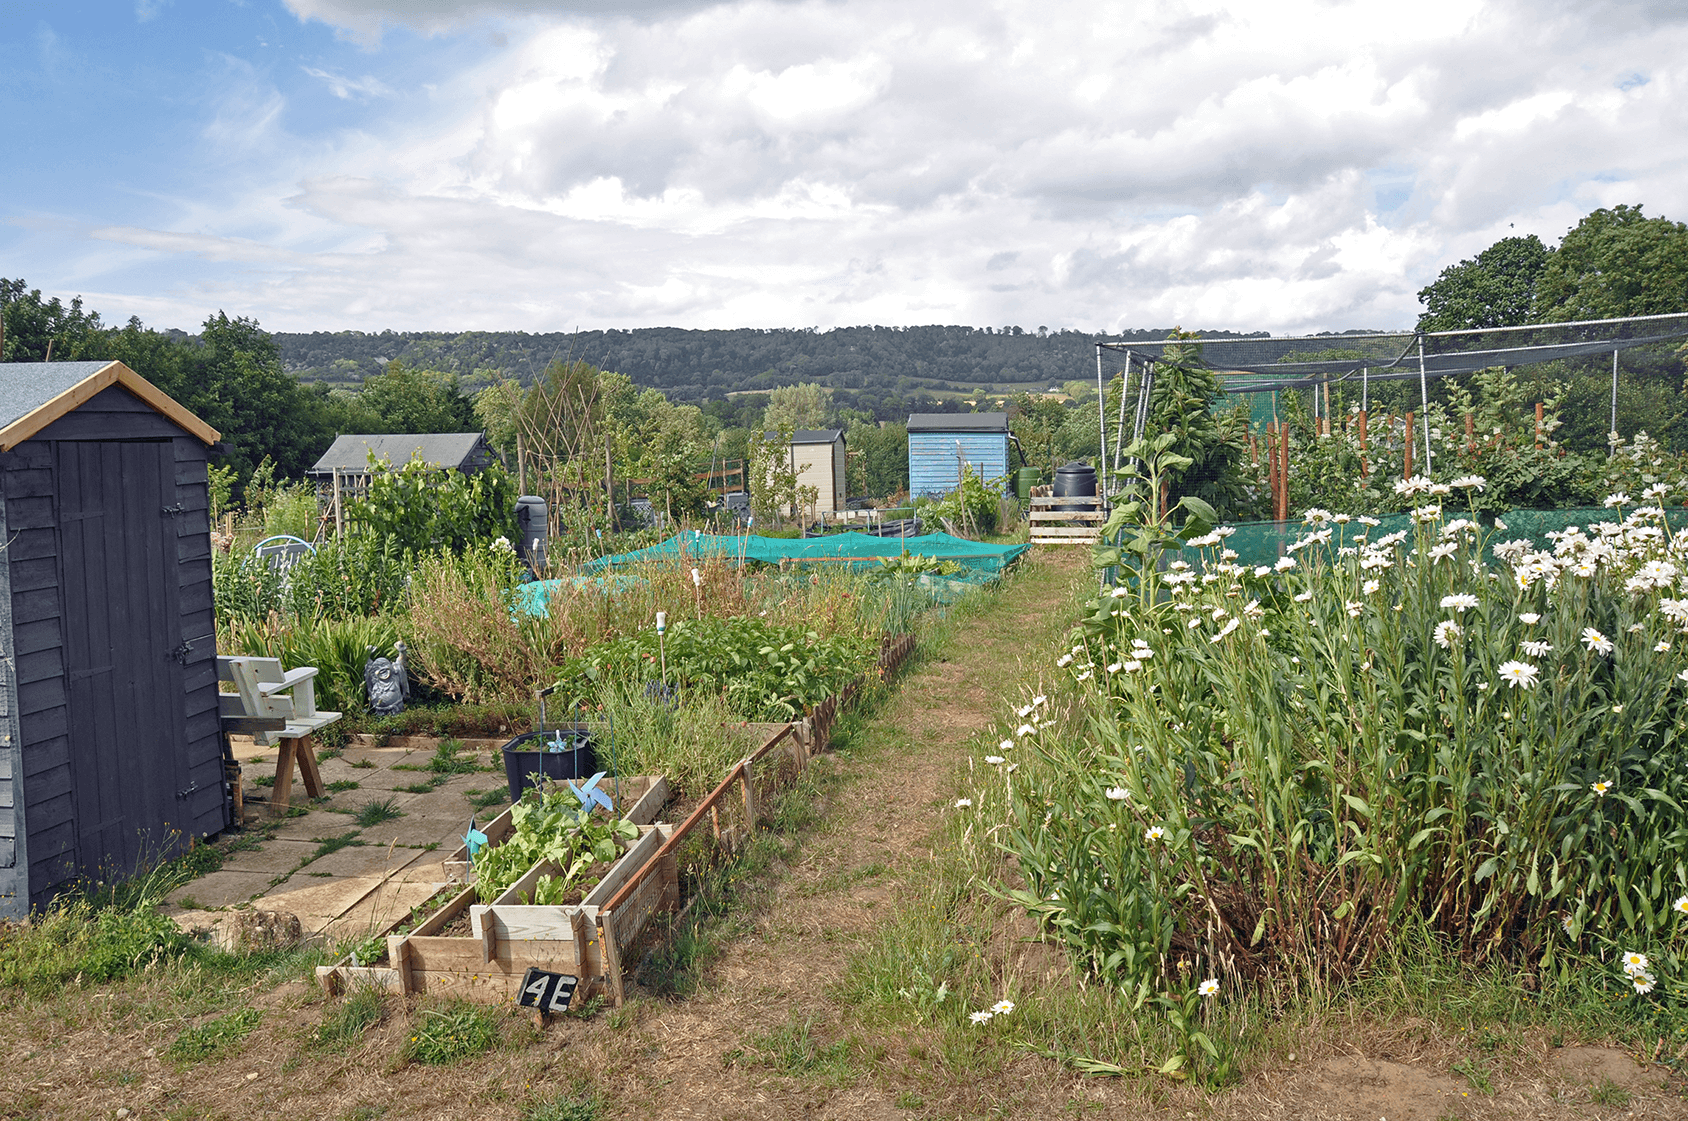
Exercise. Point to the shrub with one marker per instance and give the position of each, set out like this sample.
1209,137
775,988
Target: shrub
75,939
426,509
764,671
339,649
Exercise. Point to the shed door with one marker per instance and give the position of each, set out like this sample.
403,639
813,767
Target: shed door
121,626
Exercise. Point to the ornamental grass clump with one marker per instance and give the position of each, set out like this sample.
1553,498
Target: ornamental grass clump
1274,769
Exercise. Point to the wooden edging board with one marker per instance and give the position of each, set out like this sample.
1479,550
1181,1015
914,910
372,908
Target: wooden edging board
508,937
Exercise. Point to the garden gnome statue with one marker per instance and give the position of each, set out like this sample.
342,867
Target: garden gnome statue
386,682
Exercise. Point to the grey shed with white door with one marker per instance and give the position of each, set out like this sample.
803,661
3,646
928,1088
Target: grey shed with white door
111,754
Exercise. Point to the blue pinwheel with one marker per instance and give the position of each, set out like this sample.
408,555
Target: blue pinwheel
590,795
474,839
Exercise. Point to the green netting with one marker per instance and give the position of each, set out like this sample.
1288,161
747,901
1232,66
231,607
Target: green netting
1257,543
981,561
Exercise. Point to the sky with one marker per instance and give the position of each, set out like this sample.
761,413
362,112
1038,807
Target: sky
1280,165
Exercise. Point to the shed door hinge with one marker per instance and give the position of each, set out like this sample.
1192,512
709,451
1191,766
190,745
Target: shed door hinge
172,511
181,652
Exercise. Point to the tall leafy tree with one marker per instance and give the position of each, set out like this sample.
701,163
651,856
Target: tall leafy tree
408,399
1616,262
1496,288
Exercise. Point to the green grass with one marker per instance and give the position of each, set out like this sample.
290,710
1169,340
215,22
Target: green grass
341,786
449,1032
327,845
416,788
374,813
215,1037
485,799
578,1105
364,1007
794,1050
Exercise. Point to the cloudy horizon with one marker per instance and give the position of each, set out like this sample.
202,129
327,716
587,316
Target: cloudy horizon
527,165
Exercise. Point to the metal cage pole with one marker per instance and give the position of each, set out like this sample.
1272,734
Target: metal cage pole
1612,433
1101,414
1119,431
1424,393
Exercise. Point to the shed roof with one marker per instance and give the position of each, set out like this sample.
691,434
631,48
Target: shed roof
437,449
817,435
958,422
35,394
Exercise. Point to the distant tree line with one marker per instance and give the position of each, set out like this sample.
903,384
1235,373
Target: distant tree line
888,372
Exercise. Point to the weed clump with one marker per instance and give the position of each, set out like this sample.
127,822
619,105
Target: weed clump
452,1032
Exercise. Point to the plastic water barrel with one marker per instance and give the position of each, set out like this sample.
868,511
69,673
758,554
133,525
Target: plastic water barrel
1075,480
1024,480
531,531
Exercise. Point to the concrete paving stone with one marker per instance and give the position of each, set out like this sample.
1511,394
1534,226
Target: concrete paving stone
363,860
316,825
428,868
384,778
223,888
383,756
271,858
417,830
380,909
328,898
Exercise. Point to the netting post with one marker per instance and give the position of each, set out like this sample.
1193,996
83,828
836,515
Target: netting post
1407,464
1362,418
1424,393
1101,416
1119,432
1538,425
1612,434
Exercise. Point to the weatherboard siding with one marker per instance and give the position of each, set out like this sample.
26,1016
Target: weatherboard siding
934,460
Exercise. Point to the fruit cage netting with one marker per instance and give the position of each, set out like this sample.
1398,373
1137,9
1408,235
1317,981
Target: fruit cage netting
979,562
1262,543
1258,366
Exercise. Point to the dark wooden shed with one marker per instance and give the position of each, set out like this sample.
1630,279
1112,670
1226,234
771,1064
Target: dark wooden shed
110,749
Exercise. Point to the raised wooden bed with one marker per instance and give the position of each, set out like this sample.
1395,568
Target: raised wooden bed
646,808
507,937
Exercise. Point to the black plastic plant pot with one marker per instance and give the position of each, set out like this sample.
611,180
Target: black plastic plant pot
534,754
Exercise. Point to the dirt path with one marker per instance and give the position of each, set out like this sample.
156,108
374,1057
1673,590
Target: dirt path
678,1059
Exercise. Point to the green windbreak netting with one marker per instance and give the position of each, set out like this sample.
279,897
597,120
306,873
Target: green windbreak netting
981,561
1257,543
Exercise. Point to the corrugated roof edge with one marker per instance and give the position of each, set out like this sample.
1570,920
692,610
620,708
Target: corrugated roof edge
958,422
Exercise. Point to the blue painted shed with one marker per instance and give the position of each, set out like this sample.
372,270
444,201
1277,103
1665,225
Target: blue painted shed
939,443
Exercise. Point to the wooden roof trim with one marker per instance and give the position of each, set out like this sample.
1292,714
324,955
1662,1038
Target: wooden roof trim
113,373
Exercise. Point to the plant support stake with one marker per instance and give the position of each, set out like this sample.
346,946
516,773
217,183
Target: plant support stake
661,627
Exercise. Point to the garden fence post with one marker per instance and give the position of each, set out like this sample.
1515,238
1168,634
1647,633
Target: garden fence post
1407,463
1363,465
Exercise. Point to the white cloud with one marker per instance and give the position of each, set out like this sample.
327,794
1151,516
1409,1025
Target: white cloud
349,89
1298,165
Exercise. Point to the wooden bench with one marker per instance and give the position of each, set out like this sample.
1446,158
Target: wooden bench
275,706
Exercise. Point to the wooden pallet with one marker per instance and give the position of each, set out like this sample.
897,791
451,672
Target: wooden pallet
1050,526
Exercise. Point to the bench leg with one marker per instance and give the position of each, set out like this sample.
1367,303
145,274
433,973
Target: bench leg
305,753
282,792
